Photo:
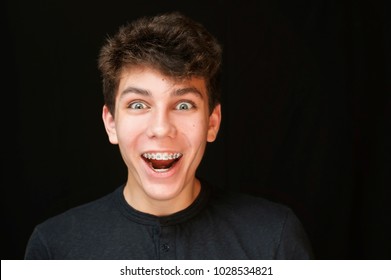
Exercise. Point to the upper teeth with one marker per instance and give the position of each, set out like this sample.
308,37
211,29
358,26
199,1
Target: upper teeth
162,156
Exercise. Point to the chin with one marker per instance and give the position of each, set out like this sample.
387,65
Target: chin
163,191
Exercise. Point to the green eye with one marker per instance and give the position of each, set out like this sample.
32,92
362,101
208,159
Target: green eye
184,106
137,106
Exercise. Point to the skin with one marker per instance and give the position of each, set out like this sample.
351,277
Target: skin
154,113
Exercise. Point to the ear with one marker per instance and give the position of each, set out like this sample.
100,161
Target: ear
214,124
108,120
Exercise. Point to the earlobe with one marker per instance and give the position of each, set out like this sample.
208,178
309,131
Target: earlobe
108,120
214,123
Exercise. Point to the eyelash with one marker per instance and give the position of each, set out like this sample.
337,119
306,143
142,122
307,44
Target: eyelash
191,104
132,104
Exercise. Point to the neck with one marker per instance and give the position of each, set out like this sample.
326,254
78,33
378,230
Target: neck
141,201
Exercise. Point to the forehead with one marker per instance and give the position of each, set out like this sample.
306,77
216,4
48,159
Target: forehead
150,80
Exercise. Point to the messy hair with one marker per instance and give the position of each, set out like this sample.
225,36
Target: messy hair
172,43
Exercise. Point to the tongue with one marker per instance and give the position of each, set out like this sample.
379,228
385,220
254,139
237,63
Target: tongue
161,164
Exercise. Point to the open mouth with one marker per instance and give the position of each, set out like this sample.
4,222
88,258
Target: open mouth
161,162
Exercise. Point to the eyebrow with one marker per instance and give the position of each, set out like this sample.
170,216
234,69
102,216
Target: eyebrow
192,90
135,90
178,92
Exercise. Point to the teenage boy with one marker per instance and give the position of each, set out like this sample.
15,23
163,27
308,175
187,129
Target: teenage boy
161,107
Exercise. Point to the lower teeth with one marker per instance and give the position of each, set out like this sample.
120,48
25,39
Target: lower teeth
161,170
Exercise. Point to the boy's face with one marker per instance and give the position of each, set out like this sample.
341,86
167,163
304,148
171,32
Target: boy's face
161,126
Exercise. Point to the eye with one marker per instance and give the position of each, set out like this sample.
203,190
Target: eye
183,106
138,105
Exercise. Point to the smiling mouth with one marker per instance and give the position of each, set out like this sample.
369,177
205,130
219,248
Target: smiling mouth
161,162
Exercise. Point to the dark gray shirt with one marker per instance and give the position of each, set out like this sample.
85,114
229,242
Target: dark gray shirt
220,224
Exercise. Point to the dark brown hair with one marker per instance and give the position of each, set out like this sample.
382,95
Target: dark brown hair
172,43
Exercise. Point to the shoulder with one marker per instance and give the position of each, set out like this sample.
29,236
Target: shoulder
251,214
271,226
80,216
249,206
52,238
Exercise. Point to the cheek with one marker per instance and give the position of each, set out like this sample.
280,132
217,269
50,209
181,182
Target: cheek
195,132
129,131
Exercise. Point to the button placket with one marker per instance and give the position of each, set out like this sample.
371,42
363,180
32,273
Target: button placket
167,242
165,247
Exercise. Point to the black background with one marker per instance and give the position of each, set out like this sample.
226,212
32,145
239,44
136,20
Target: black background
306,112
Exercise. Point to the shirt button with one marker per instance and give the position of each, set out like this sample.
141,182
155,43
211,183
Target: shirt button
165,247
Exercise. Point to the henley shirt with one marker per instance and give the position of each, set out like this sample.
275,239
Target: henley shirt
220,224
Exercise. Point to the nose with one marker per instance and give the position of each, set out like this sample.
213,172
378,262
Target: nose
161,125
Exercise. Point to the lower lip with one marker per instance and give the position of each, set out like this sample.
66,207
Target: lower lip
166,174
